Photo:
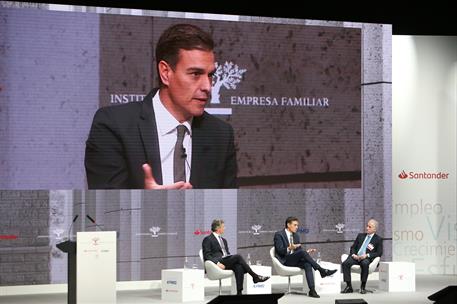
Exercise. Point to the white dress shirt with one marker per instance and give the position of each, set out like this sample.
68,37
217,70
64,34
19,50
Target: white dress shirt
221,243
167,135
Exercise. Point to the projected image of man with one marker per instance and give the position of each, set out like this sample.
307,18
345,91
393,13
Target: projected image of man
166,141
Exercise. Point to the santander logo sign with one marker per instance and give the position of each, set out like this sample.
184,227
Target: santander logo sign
423,175
403,175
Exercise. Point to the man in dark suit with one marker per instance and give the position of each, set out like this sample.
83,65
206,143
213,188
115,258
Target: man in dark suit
167,141
367,246
289,252
215,249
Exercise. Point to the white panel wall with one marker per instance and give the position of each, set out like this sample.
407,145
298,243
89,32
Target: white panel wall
424,141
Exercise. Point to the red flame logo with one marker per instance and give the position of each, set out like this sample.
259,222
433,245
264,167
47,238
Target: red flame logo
403,175
202,232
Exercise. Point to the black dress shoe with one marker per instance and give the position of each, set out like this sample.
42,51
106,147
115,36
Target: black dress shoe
347,290
363,290
313,294
259,278
326,272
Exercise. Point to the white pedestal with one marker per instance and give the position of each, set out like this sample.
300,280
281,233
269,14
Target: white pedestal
397,276
183,285
96,267
248,284
328,285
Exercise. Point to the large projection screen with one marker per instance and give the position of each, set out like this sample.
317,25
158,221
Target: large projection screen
311,115
292,90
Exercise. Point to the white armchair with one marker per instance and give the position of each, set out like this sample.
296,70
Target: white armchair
284,271
356,268
213,272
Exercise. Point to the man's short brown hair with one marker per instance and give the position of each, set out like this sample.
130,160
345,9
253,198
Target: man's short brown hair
181,36
290,219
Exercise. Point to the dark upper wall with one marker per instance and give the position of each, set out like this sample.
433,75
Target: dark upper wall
409,19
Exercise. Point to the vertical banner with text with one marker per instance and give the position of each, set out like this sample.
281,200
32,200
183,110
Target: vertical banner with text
424,153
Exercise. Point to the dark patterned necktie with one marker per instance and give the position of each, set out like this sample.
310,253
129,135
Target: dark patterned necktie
224,250
179,157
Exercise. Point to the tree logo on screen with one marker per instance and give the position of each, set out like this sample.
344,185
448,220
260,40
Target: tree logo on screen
403,175
339,228
256,229
58,234
227,75
154,231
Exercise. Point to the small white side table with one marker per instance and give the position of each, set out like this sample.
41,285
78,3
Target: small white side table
397,276
183,285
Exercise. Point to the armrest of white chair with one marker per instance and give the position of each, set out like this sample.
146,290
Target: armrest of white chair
200,254
374,264
215,273
280,268
344,256
356,268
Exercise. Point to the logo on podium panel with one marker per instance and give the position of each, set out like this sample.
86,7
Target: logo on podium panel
95,241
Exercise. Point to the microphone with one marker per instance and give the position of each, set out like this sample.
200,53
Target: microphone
93,221
184,155
71,226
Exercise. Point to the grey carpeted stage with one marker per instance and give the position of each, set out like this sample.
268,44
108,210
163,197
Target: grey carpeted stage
425,286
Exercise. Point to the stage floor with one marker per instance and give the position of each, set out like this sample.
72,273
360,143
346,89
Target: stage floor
425,286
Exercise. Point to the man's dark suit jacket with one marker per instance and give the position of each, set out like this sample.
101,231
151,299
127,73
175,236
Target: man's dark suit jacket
122,138
281,243
212,249
376,241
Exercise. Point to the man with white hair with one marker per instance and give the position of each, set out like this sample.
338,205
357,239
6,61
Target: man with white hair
367,246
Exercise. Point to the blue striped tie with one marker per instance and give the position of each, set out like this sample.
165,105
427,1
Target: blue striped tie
363,249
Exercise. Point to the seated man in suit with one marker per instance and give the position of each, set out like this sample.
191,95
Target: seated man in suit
366,247
166,141
289,252
215,249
